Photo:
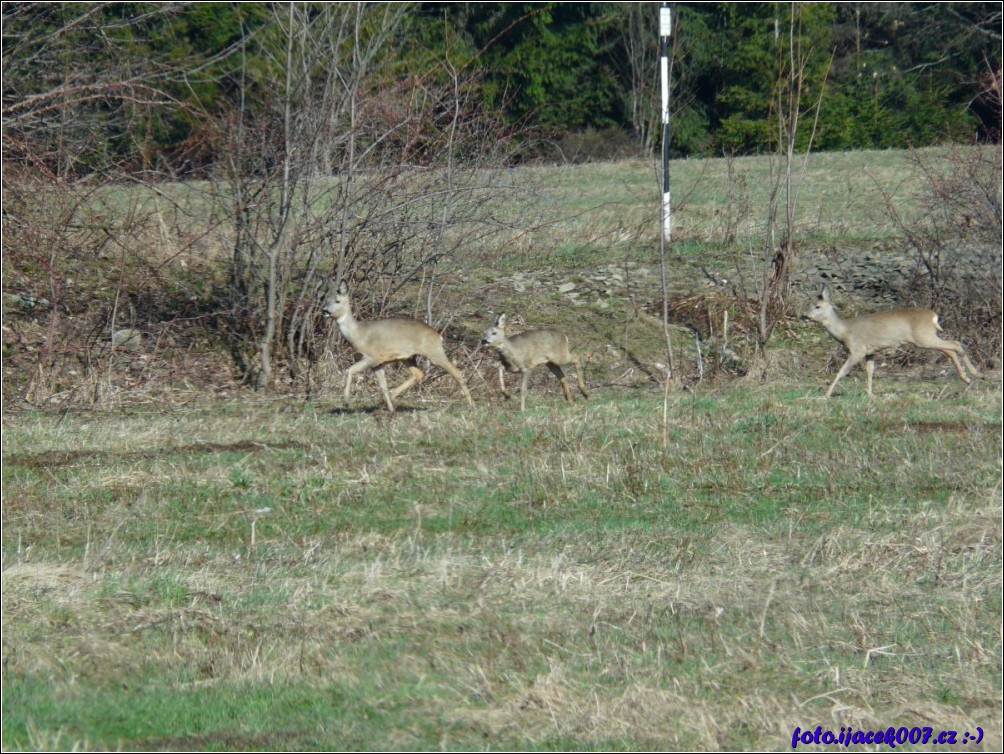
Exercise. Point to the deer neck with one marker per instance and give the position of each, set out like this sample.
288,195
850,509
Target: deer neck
507,355
836,327
348,326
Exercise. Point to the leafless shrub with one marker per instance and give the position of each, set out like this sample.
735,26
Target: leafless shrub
348,178
773,262
956,237
955,240
99,281
85,242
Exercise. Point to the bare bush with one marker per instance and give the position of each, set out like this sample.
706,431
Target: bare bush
85,243
770,284
955,241
98,283
351,177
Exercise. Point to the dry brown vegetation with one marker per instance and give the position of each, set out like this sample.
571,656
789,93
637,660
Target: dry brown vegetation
82,267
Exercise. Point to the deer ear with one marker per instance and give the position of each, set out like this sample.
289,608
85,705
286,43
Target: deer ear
342,288
500,321
824,294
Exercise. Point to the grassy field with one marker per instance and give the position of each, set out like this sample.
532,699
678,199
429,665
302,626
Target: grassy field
699,569
259,575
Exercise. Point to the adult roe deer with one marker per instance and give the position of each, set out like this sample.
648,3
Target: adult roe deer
522,352
381,341
864,336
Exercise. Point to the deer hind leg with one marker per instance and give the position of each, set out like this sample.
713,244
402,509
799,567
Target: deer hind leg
415,377
459,377
958,365
574,360
562,379
954,350
441,360
969,365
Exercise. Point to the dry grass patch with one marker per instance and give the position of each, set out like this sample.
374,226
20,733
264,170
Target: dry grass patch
579,576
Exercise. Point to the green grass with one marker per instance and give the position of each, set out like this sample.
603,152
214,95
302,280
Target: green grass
839,196
276,575
594,208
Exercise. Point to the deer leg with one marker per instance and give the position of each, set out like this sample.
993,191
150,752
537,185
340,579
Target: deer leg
522,392
852,360
578,376
416,376
870,368
459,377
958,366
969,365
360,366
960,353
505,392
562,379
382,379
953,350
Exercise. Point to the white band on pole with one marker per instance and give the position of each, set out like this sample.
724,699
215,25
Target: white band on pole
667,217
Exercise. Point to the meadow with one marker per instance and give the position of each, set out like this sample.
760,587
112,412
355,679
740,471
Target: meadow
661,567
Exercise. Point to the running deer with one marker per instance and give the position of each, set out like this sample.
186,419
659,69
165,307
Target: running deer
381,341
864,336
522,352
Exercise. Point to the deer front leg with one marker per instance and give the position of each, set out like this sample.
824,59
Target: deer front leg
852,360
360,366
505,391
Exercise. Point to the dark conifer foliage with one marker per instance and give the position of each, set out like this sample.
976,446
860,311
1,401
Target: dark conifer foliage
133,84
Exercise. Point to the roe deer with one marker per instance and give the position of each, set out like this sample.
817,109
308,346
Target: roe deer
381,341
520,353
863,336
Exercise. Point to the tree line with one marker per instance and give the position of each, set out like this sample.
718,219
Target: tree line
147,85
